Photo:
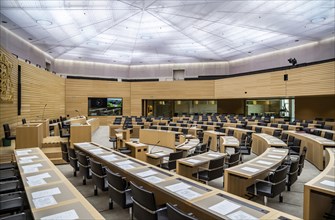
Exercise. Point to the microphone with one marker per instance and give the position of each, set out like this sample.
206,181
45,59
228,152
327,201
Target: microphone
77,112
44,111
154,146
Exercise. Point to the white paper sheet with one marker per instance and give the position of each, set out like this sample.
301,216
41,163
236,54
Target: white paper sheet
328,183
36,182
44,201
25,161
214,155
30,170
84,145
160,154
153,179
263,162
124,163
274,156
250,169
278,151
146,173
178,186
111,157
28,158
126,167
47,192
32,165
240,215
39,176
193,161
23,152
224,207
69,215
188,194
96,151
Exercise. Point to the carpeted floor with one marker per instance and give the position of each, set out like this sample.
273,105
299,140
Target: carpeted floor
293,200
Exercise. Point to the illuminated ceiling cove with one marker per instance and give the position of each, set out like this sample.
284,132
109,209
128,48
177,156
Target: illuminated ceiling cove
167,31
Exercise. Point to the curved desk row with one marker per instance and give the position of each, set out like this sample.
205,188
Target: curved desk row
50,194
204,201
315,147
262,141
320,191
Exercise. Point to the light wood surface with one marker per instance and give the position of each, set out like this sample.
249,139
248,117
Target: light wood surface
80,133
237,179
317,195
163,195
45,125
158,137
95,123
315,147
228,142
29,135
69,197
261,141
266,129
138,150
215,143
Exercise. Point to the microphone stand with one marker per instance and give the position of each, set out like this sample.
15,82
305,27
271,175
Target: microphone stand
44,111
154,146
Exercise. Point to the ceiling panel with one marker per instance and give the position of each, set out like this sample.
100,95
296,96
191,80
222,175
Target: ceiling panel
165,31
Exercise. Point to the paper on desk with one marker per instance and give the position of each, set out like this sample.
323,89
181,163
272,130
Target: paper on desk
328,183
111,157
39,176
22,152
240,215
84,145
96,151
30,170
36,182
278,151
126,166
160,154
178,186
224,207
274,156
28,158
26,161
44,202
32,165
153,179
193,161
69,215
263,162
124,162
214,155
47,192
146,173
188,194
250,169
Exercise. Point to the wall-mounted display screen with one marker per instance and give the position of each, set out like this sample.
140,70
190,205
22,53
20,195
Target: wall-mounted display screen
104,106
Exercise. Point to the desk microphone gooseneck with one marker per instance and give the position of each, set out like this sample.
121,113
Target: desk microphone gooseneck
44,111
154,146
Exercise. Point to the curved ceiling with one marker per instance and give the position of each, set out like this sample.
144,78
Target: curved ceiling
166,31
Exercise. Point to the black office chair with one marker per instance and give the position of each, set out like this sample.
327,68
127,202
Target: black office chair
24,121
84,167
328,127
173,157
164,128
292,174
245,149
276,133
284,127
295,147
176,214
113,140
232,160
98,176
317,132
200,148
214,171
153,127
272,186
200,135
284,137
302,157
10,203
144,204
258,130
63,133
274,125
118,190
73,160
6,166
65,153
184,131
230,132
208,144
328,135
125,150
8,135
9,174
9,186
290,140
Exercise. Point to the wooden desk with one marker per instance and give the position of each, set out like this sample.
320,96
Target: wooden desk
228,141
261,141
45,125
320,191
215,137
80,133
163,184
76,120
229,124
136,131
323,132
66,197
138,150
29,135
165,138
315,147
187,166
95,123
112,130
266,130
238,132
238,178
209,127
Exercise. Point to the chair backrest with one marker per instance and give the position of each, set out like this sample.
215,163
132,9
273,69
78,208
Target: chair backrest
185,131
24,121
284,136
144,206
116,187
210,123
230,132
234,159
240,126
277,133
7,130
302,160
183,125
82,159
209,141
328,135
243,137
292,174
204,127
176,214
172,159
317,132
279,180
284,127
215,168
98,174
290,138
175,129
274,125
65,154
164,128
328,127
73,158
258,129
296,142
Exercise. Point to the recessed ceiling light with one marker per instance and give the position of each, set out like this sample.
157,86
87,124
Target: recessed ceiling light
44,22
318,20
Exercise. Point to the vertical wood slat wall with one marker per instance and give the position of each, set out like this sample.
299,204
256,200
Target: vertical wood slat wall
38,87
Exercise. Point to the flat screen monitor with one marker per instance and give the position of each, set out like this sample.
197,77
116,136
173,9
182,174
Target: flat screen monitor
104,106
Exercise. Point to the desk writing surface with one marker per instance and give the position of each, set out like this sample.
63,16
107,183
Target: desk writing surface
151,175
263,141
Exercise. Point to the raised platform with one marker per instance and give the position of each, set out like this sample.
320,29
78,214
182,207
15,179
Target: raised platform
51,147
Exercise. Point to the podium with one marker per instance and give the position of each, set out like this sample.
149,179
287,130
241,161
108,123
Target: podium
29,135
45,124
